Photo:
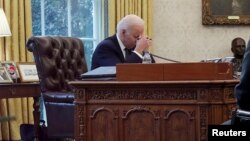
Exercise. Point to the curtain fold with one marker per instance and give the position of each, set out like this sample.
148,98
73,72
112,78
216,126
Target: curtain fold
13,48
120,8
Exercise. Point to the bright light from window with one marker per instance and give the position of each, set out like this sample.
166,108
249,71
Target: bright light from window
77,18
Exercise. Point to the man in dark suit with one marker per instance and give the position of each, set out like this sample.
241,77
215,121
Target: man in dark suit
238,47
242,90
126,46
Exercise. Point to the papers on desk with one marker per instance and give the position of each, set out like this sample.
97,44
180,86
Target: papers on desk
219,60
101,73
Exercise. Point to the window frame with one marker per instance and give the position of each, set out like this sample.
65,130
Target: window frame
99,23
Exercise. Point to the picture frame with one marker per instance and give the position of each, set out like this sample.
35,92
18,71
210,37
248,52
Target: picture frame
11,69
4,76
28,71
225,12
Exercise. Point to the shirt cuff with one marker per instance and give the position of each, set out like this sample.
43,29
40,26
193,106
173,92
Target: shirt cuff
138,54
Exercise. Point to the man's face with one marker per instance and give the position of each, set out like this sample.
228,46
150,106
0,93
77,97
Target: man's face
130,36
240,47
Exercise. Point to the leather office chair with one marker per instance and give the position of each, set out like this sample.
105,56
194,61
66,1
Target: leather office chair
240,117
58,60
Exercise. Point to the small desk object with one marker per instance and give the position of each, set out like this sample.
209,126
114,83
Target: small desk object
132,109
23,90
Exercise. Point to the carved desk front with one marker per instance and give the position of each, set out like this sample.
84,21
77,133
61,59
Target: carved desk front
150,110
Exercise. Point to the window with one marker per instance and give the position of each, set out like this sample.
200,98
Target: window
77,18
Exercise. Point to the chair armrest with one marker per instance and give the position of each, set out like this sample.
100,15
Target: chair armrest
239,115
242,114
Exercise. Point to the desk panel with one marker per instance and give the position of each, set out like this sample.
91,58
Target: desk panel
150,110
23,90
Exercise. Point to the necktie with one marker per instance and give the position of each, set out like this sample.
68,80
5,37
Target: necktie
127,52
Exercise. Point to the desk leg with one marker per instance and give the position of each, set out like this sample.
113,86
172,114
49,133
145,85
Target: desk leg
36,114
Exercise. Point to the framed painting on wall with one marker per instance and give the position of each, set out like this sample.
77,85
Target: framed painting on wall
28,72
225,12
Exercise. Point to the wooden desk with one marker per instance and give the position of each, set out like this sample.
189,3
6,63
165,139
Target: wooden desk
150,110
22,90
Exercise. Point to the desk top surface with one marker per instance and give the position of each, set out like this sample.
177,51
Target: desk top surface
187,82
19,90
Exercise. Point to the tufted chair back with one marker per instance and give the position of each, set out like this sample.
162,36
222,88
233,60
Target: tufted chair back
58,60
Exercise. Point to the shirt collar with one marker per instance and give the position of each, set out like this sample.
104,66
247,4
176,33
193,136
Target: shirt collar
121,45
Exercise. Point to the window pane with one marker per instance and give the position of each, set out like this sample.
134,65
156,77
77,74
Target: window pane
36,18
88,50
56,17
82,18
73,18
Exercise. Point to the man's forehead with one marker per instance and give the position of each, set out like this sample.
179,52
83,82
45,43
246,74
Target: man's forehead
240,41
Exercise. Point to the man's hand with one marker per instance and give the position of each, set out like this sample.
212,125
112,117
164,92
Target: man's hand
142,44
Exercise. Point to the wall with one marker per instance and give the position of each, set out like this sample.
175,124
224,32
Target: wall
178,32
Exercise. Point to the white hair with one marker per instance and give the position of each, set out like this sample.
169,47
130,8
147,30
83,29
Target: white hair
128,21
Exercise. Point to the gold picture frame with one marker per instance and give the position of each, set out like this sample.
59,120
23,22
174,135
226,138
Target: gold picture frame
28,72
4,76
225,12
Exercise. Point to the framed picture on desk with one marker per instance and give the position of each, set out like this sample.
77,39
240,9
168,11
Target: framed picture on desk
28,72
4,76
11,69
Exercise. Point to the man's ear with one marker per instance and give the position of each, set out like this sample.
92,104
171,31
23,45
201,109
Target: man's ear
123,31
233,49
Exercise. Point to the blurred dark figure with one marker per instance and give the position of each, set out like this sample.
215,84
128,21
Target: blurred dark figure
238,47
242,90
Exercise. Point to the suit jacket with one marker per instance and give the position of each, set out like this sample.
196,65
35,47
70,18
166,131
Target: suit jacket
242,90
109,53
